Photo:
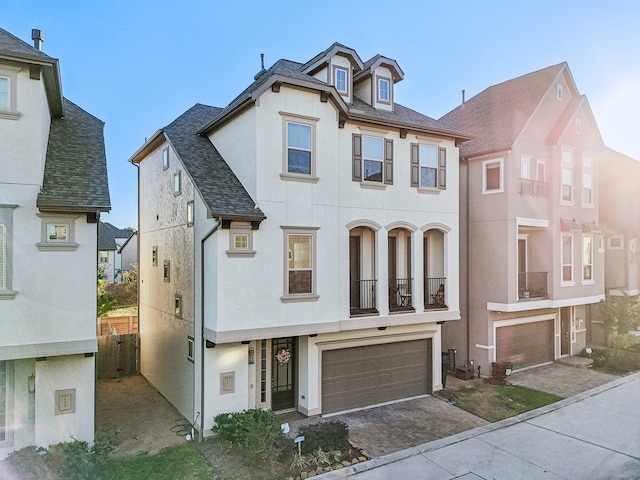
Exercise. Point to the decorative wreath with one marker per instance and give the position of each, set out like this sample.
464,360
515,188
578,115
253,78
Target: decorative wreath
283,356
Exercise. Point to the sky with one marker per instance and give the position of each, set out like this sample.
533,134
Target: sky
139,64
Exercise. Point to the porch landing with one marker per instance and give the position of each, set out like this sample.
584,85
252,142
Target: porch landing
574,361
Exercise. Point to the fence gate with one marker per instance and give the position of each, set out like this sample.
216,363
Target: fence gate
118,355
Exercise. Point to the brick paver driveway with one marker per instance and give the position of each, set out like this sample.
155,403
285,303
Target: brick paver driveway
381,430
562,380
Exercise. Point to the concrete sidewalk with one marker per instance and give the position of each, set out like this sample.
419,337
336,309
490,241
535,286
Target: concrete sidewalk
594,435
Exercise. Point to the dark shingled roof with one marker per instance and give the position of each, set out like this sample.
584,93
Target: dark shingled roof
11,44
118,232
497,115
106,237
221,190
75,172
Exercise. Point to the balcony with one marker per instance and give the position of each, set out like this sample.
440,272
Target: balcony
535,188
434,293
532,285
400,295
362,294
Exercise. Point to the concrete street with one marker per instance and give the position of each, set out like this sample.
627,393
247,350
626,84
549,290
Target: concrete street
593,435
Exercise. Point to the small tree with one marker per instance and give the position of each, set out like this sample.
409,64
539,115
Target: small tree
620,315
105,301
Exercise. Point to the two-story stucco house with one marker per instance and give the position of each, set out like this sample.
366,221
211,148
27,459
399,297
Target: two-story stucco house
53,187
532,262
110,240
299,247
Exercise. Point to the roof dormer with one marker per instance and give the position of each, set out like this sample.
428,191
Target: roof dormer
336,66
374,84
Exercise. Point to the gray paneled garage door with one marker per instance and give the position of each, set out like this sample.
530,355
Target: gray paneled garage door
360,376
525,344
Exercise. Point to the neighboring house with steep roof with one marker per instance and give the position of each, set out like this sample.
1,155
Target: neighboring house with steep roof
110,241
532,263
52,190
298,247
129,253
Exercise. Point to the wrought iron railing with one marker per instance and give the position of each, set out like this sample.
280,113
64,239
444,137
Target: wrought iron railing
532,285
434,292
400,294
362,294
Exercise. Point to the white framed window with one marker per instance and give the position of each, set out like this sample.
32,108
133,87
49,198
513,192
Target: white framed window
615,242
4,397
58,233
166,271
299,162
299,151
103,256
178,306
191,348
587,181
559,91
6,252
341,80
372,158
190,214
177,183
4,92
384,90
241,240
165,158
3,257
8,92
587,258
578,126
154,256
428,166
567,176
541,170
493,176
567,259
300,263
525,167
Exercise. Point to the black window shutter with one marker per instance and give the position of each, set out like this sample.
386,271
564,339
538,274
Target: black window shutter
357,158
415,165
388,161
442,168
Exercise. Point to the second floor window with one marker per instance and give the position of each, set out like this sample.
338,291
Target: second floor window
587,181
299,148
4,92
567,176
492,181
300,264
373,158
428,166
3,258
177,183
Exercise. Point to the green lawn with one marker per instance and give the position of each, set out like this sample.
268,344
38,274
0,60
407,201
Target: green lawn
497,402
184,462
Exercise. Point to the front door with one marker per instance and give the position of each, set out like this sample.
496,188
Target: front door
283,373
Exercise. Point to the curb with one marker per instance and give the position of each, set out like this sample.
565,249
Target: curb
460,437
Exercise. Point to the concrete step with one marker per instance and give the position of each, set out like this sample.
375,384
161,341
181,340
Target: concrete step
574,361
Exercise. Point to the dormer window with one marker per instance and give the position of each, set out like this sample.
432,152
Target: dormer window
384,92
340,80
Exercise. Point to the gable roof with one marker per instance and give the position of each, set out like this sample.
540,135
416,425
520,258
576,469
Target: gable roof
293,73
118,232
75,171
220,189
106,237
497,115
13,49
317,62
377,61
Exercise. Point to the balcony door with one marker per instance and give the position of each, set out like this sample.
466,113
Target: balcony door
522,263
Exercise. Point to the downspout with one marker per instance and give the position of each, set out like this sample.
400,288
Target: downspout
202,317
467,282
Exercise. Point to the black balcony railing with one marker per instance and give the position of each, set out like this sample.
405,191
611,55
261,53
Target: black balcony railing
400,294
362,294
434,292
532,285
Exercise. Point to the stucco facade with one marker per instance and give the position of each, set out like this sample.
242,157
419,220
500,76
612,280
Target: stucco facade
379,257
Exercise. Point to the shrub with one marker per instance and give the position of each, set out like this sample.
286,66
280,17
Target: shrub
326,437
256,432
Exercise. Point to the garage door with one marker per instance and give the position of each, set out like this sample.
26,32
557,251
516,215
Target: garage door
360,376
525,344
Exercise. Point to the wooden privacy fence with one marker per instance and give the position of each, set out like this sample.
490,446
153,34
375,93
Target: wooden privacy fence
118,325
118,355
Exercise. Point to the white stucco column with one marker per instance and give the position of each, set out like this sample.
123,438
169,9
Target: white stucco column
382,271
